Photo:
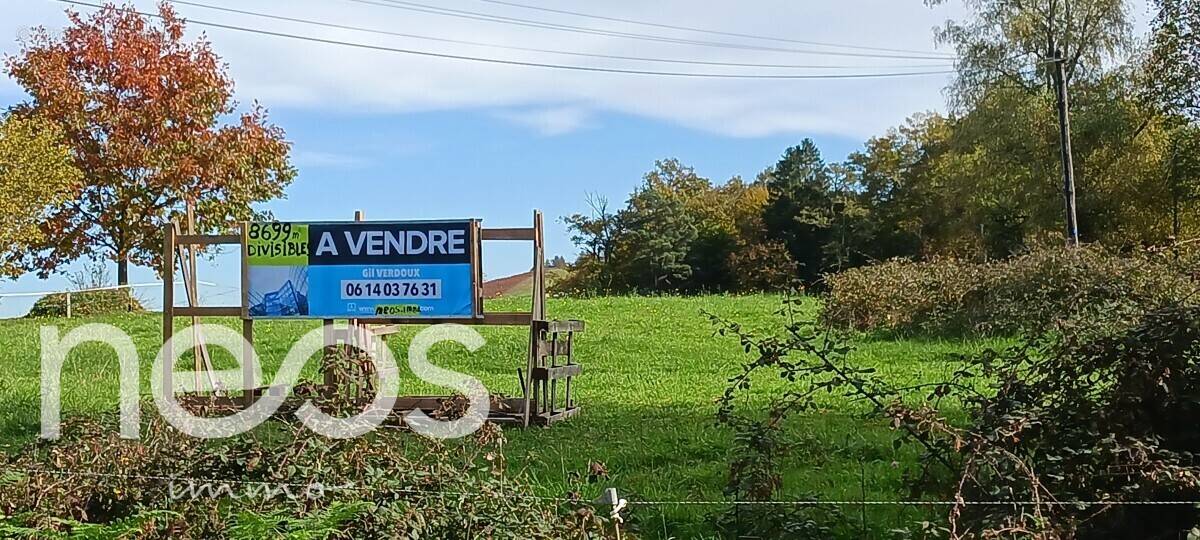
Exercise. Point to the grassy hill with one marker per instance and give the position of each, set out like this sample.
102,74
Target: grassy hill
520,284
652,369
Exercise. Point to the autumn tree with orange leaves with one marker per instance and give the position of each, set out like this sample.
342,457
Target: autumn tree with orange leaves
141,111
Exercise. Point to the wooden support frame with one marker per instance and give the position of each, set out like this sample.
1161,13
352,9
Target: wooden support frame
202,368
553,361
174,244
551,343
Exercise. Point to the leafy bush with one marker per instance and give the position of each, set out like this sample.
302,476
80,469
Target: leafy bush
390,484
1032,291
94,275
1098,417
87,303
1084,431
812,362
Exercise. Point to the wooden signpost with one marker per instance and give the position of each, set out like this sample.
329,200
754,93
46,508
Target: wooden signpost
550,365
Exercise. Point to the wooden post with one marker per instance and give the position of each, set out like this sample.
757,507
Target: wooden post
68,304
247,322
189,283
245,270
168,307
476,240
553,364
570,360
329,332
355,334
248,361
539,267
538,311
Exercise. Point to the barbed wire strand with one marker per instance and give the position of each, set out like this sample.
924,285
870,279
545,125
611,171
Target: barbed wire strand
630,502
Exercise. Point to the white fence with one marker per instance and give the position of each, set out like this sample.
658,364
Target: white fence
70,292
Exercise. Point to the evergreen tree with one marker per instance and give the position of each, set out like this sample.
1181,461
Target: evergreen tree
799,210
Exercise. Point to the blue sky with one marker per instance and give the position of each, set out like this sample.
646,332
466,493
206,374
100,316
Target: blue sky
402,137
450,164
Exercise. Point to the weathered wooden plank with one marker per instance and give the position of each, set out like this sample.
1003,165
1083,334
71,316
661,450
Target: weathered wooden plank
564,326
544,419
505,410
425,403
557,372
386,330
278,390
508,319
208,311
488,319
208,239
558,348
510,233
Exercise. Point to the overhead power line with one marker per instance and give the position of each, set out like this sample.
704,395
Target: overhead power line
474,15
500,61
710,31
537,50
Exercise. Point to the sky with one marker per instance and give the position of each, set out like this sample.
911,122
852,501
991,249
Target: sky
402,136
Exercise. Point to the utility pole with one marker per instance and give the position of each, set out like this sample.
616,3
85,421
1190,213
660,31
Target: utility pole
1059,75
1068,162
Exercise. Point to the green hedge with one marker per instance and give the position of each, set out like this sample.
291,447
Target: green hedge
1033,291
87,303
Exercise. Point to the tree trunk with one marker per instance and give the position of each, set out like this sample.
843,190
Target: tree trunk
122,269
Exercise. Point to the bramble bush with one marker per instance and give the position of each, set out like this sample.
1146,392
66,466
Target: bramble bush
1082,431
1100,417
1029,292
389,484
812,362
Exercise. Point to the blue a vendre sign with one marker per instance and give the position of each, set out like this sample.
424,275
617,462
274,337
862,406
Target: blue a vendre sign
398,270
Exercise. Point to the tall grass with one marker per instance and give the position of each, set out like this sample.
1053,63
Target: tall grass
652,369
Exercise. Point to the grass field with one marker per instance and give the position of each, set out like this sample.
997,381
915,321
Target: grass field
652,369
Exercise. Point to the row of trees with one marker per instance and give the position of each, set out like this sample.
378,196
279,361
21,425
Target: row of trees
981,181
679,231
124,125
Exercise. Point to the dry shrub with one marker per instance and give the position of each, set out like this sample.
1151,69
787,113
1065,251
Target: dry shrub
1102,417
84,304
1029,292
389,484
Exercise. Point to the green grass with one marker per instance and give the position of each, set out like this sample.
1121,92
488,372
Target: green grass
652,369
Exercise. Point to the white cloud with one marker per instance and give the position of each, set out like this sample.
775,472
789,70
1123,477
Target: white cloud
327,160
281,72
550,121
